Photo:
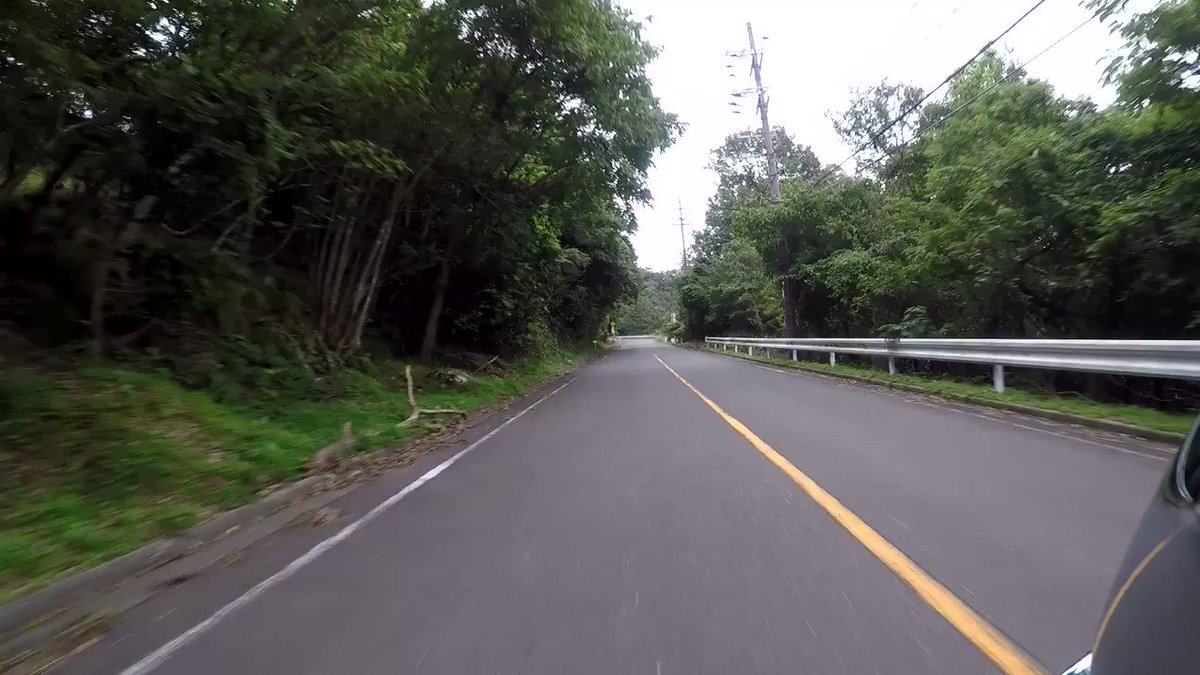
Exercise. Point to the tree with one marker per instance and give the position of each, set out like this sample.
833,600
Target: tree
425,173
731,294
997,209
1023,214
812,223
652,310
741,167
867,123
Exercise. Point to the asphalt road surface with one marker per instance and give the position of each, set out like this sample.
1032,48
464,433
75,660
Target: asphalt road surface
624,526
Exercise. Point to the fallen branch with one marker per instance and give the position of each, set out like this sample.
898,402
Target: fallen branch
417,411
490,362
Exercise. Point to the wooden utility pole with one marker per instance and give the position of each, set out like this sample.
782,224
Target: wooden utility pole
768,137
784,257
682,238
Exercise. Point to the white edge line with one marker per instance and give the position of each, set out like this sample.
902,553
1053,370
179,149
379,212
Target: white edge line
1102,444
949,405
156,658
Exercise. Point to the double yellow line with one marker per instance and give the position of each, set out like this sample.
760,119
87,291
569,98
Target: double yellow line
1007,656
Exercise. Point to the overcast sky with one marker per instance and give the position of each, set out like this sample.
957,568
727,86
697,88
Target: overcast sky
816,53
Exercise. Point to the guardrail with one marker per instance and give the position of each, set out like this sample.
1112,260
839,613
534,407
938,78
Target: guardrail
1176,359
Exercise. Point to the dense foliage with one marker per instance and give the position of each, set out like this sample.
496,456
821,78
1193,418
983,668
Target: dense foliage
652,308
1000,210
305,173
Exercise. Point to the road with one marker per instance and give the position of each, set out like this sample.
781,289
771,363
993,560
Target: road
624,526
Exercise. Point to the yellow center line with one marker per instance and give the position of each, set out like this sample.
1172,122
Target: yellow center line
1007,656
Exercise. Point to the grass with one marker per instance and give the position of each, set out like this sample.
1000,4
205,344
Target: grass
98,460
1147,418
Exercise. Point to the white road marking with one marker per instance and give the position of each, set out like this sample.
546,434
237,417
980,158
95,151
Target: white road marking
1110,446
160,655
950,405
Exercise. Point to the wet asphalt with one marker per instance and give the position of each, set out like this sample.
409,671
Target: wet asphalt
623,527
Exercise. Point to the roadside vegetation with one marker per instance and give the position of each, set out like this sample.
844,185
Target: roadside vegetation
997,208
105,458
226,227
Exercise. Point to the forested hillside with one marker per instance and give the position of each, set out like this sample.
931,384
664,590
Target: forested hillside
220,222
1001,209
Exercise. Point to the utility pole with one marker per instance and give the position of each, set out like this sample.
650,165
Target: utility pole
784,257
768,137
682,238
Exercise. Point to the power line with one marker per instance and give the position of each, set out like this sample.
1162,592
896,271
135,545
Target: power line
958,71
942,24
966,104
958,7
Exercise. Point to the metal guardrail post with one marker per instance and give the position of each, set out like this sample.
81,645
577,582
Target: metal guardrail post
998,378
751,350
833,358
891,365
795,355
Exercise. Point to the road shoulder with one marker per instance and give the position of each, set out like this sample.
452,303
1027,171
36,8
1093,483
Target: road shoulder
1151,441
43,628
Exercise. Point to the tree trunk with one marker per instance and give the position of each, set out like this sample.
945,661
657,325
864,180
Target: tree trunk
788,289
439,301
96,313
100,272
329,292
791,311
364,293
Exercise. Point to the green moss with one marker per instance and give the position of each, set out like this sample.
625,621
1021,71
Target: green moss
1146,418
99,460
